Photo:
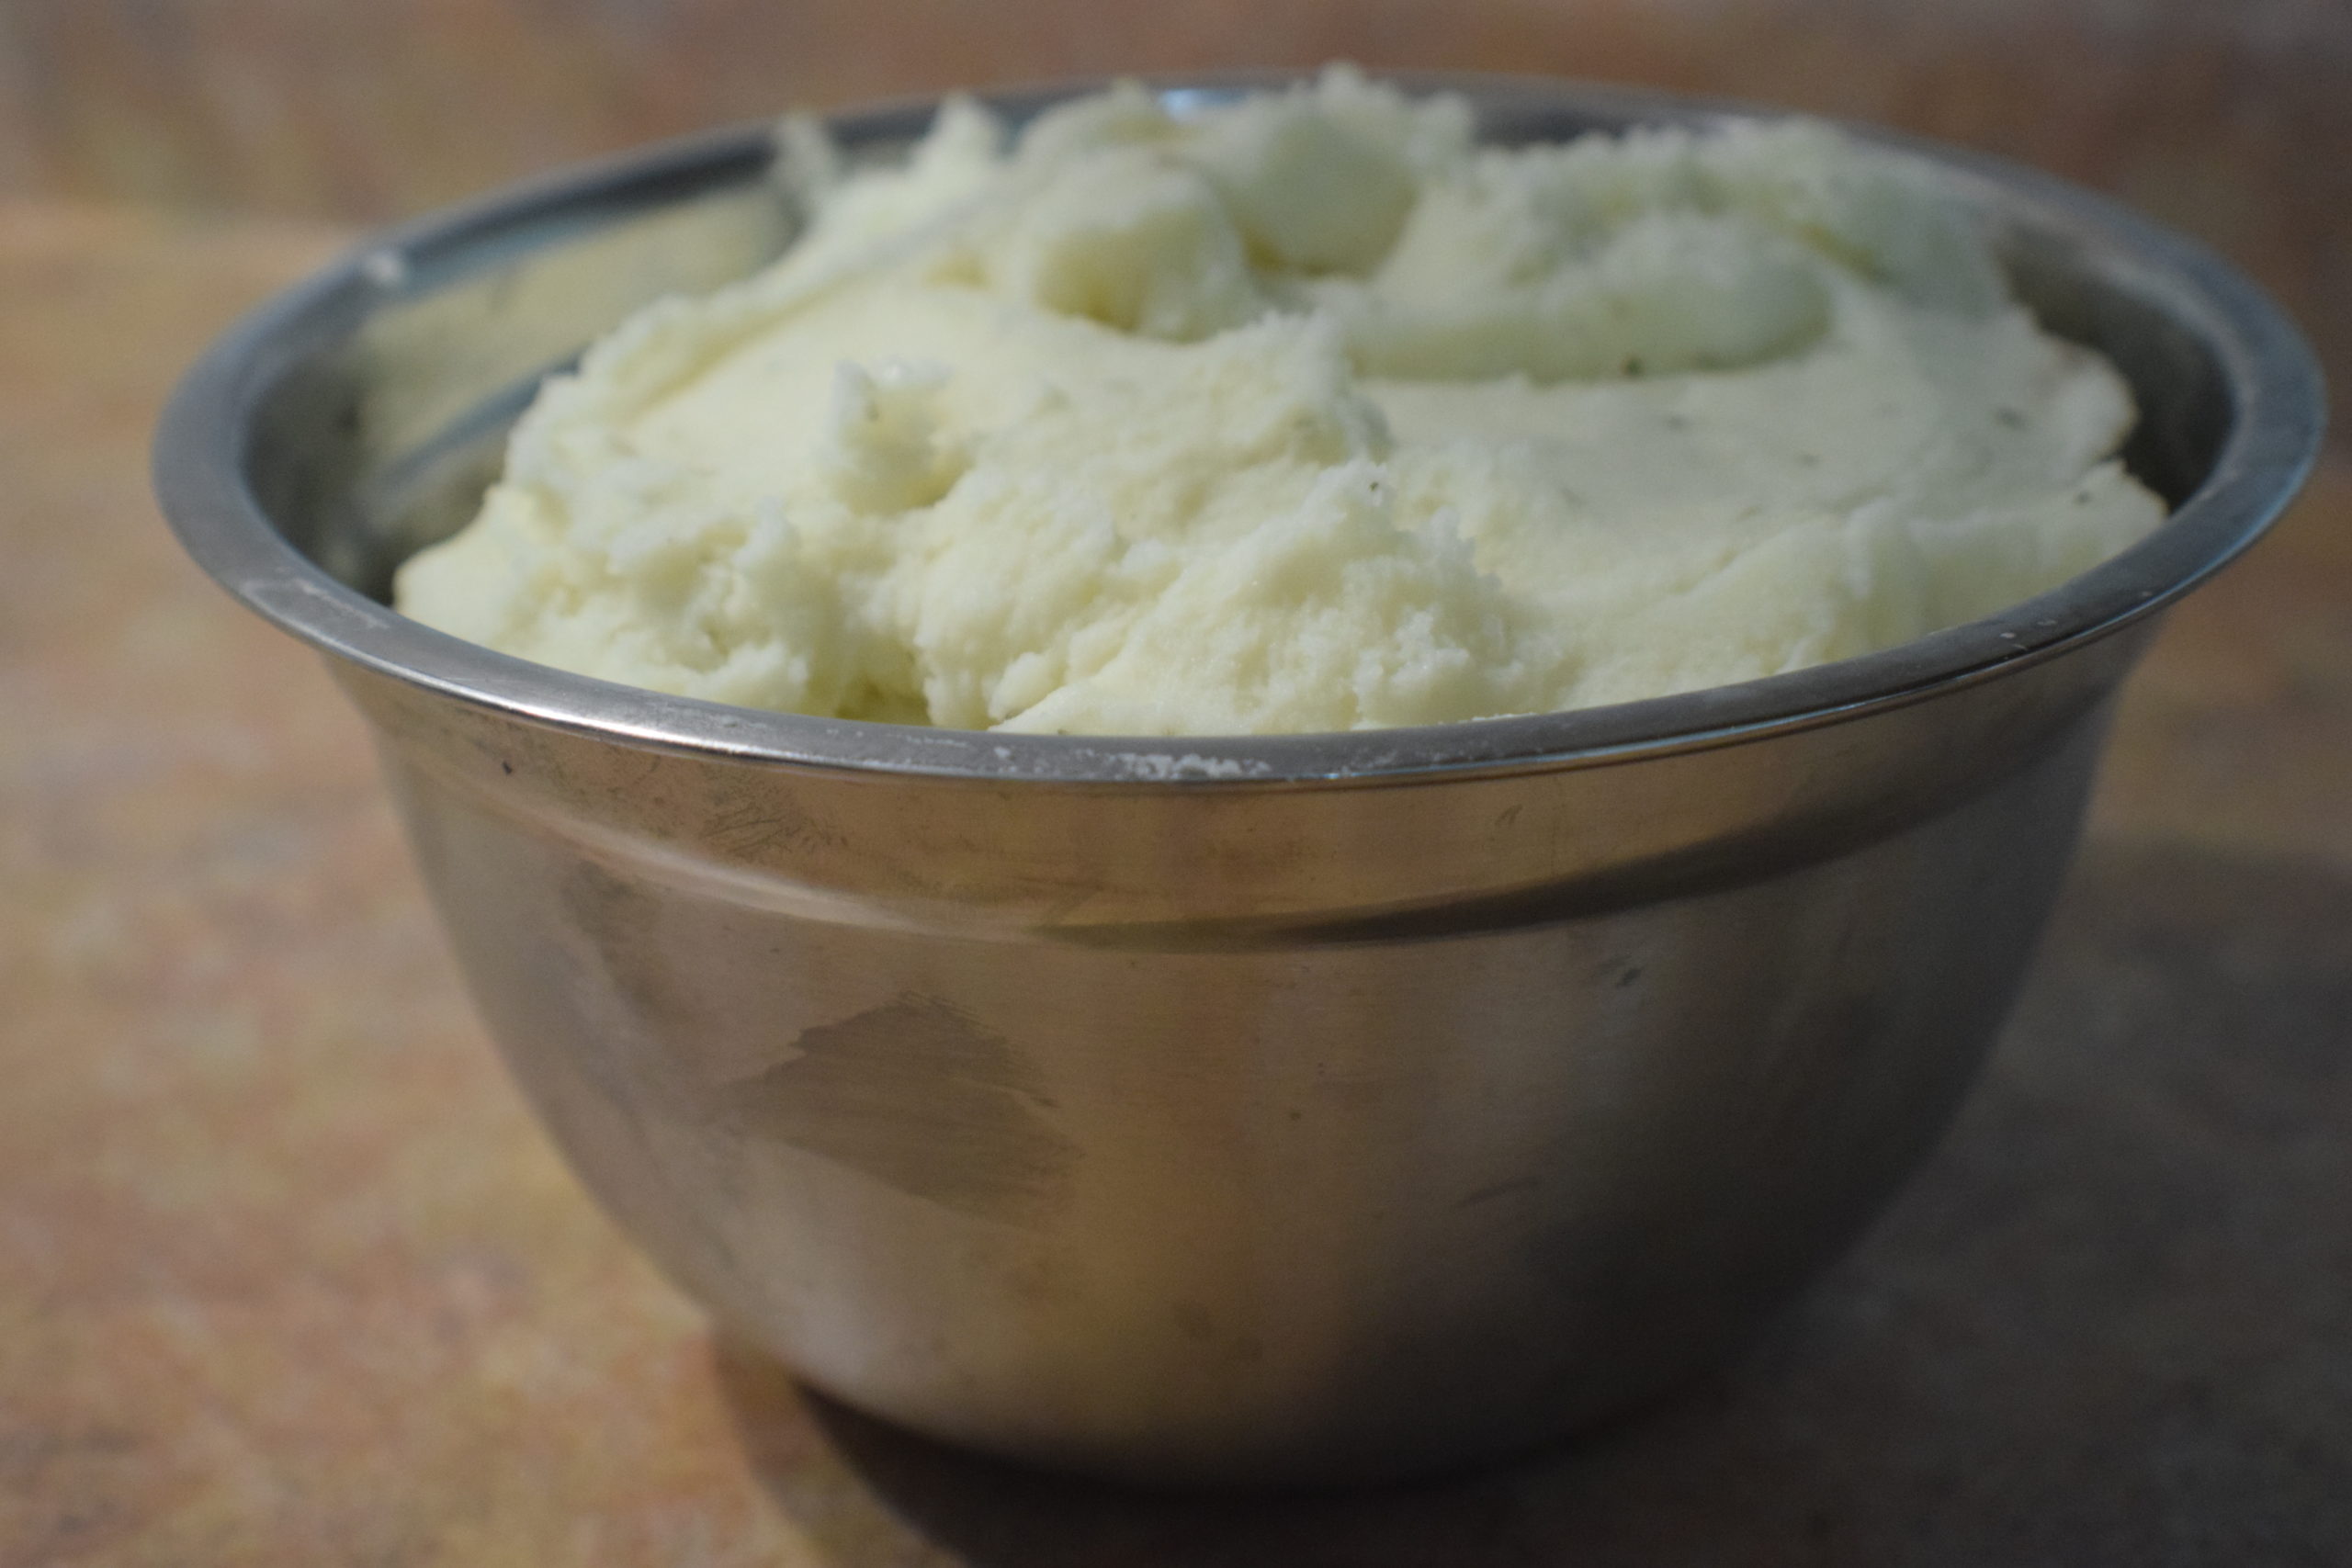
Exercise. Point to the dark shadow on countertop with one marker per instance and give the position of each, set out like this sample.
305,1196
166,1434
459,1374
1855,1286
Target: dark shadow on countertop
2110,1322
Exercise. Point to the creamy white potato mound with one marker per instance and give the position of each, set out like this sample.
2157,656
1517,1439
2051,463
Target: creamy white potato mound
1302,413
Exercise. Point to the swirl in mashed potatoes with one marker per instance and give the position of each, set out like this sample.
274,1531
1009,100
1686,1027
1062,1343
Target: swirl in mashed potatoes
1303,411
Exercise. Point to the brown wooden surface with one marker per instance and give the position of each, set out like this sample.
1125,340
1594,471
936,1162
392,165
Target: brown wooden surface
288,1277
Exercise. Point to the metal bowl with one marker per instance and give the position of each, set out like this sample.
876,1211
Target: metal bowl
1323,1107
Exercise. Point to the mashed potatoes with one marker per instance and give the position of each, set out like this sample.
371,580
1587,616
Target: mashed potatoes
1303,412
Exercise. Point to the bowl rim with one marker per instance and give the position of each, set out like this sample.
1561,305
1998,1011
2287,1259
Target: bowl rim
207,433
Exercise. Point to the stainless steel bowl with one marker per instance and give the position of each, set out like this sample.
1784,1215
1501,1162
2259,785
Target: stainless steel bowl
1317,1108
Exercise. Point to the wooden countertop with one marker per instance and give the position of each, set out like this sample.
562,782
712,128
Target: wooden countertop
287,1276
